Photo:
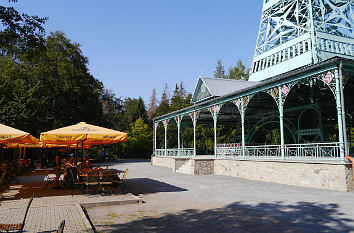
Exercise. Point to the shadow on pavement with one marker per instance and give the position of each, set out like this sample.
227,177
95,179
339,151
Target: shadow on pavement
145,186
237,217
120,161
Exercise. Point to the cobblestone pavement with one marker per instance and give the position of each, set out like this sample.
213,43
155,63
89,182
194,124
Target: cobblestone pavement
184,203
46,213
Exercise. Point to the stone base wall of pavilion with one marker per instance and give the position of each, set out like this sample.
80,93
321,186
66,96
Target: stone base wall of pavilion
337,177
164,162
330,176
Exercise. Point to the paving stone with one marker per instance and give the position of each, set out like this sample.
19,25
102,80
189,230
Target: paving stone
46,213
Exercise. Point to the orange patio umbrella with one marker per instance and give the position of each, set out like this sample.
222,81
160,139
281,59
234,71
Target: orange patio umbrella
9,135
12,135
83,133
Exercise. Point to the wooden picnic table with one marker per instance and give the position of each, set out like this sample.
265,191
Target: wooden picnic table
84,175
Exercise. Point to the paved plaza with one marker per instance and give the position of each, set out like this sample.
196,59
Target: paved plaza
46,213
175,202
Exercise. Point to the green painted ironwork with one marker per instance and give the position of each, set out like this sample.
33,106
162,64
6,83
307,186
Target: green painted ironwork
294,33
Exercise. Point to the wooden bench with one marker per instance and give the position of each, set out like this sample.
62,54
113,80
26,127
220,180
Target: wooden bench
124,178
16,227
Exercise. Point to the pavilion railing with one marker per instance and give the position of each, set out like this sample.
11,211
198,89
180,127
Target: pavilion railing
183,152
309,151
186,152
160,152
229,150
263,152
317,151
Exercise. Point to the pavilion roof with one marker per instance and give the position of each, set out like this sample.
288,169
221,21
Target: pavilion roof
216,87
264,83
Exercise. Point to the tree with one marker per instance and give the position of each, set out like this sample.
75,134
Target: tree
182,91
51,90
21,34
112,107
21,102
176,100
180,99
220,71
132,110
239,72
164,106
140,139
72,93
187,100
152,105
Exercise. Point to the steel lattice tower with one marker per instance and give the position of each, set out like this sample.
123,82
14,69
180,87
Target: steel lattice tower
295,33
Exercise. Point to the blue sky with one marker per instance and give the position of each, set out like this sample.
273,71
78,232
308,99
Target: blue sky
136,45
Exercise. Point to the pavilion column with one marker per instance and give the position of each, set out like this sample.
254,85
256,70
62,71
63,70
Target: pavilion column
194,138
242,111
281,121
165,126
155,136
341,88
194,116
339,116
179,135
215,117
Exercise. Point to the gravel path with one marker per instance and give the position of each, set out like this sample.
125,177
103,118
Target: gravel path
183,203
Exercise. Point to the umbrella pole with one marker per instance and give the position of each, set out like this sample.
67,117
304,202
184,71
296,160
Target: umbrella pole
77,148
82,153
2,153
19,162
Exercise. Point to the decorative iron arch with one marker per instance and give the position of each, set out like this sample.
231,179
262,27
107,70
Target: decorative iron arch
328,79
266,123
249,100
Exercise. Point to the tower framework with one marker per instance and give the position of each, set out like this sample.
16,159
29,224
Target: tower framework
296,33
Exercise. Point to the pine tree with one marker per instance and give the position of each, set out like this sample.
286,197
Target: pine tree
164,106
239,72
152,105
177,99
182,90
220,71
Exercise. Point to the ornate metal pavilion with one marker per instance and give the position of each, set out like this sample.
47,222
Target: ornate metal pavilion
298,104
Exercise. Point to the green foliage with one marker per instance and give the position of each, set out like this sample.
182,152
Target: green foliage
133,109
205,139
179,100
72,93
20,34
112,107
20,100
164,106
228,132
239,72
172,140
160,136
52,90
140,139
220,71
152,105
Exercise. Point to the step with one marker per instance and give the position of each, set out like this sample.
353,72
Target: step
184,171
